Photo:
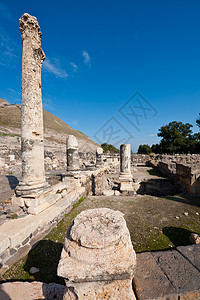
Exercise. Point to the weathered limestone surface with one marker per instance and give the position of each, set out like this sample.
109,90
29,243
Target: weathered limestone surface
34,290
97,254
187,178
72,154
99,157
5,242
125,159
104,290
32,145
125,177
182,170
194,238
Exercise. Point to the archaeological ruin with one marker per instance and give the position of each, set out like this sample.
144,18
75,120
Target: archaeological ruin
46,179
32,140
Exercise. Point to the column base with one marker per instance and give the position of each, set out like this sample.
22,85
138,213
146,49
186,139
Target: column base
31,190
126,182
116,289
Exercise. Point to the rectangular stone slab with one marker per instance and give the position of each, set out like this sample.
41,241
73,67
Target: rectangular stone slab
4,242
150,282
182,274
192,253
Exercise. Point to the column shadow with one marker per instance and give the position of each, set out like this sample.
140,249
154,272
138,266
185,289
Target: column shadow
3,295
13,181
177,235
45,256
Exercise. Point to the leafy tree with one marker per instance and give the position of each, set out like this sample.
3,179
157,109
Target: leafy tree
194,146
144,149
176,137
109,148
198,121
155,148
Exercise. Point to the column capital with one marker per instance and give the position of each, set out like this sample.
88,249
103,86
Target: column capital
29,27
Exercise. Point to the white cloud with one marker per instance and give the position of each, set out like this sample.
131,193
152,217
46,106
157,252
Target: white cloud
87,58
9,50
75,122
54,68
47,103
74,67
15,96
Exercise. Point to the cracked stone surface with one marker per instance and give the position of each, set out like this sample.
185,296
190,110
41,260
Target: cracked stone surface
183,275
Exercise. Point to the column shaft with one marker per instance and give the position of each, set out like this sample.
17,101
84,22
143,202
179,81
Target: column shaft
32,144
72,154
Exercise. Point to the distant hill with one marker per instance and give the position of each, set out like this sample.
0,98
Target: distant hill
55,129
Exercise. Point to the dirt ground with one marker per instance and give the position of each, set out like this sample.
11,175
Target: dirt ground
155,223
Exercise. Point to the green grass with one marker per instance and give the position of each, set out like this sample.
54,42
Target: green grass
14,216
78,202
9,134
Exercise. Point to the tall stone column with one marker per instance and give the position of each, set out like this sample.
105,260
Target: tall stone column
32,144
99,157
126,178
98,260
72,154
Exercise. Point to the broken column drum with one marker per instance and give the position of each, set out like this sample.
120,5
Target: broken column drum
99,157
72,154
125,159
125,177
98,258
32,144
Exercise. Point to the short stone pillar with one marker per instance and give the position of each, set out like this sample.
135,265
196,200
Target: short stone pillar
98,260
99,157
32,141
125,177
72,154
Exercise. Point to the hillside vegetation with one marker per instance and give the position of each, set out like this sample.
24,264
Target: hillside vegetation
10,118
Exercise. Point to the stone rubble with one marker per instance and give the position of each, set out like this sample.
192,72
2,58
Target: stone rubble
194,238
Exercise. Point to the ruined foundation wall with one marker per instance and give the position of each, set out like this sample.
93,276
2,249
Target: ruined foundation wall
188,178
183,170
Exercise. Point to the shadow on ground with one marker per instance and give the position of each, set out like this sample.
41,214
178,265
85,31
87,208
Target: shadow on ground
156,187
186,199
45,256
3,295
178,236
154,172
13,181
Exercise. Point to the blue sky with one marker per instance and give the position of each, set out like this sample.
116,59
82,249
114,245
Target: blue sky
116,70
